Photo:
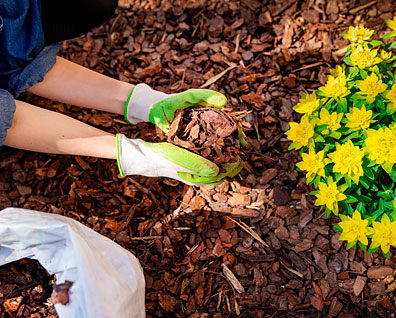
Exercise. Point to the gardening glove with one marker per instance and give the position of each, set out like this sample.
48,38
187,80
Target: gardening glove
138,157
146,104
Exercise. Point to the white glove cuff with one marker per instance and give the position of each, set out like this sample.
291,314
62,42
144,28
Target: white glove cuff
138,105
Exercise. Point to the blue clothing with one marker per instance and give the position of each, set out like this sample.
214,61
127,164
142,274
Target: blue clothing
24,61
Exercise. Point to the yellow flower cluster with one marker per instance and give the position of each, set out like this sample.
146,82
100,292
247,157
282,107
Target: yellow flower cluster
307,104
371,87
301,133
358,119
363,57
391,23
329,195
380,146
331,120
358,34
313,163
348,159
335,87
391,99
348,134
355,229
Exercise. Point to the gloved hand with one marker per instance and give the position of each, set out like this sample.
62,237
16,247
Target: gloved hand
138,157
146,104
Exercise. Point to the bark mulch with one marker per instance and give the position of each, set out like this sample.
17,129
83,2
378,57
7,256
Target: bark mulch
254,246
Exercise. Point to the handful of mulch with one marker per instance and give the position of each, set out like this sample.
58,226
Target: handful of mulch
209,132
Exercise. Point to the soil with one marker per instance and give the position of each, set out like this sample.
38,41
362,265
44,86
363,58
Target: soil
254,246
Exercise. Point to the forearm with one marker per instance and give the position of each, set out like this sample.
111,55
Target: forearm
74,84
42,130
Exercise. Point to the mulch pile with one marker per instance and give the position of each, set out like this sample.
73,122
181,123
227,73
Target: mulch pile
208,132
254,246
25,289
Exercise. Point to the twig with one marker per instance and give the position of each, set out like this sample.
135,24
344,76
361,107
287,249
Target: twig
167,120
249,231
292,270
364,6
307,66
215,78
234,282
151,237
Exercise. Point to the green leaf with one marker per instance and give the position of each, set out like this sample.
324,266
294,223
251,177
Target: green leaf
380,103
363,74
389,35
390,46
361,208
374,43
337,227
347,60
342,102
364,182
351,244
350,199
328,212
372,250
348,180
319,138
368,173
362,246
392,216
316,181
335,134
386,254
353,71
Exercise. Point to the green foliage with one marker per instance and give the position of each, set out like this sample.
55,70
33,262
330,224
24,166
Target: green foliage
353,141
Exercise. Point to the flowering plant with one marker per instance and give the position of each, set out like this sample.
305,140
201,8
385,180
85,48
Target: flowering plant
347,141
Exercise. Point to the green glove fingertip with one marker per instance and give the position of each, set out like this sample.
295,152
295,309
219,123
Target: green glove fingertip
184,158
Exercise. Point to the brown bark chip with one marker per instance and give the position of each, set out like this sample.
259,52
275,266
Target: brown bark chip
208,132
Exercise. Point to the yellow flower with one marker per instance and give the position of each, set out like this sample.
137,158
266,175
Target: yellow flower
313,163
371,87
337,71
300,133
348,160
363,57
329,195
391,23
391,99
380,146
331,120
354,229
384,234
359,118
385,56
335,87
358,34
307,104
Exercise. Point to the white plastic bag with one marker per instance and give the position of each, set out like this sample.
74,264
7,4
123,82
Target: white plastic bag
107,280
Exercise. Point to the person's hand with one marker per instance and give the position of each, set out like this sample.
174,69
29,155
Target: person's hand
146,104
138,157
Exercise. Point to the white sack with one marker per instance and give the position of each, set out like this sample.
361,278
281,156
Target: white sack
107,280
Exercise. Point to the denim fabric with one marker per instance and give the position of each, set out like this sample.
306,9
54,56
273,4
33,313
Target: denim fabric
24,61
21,37
7,109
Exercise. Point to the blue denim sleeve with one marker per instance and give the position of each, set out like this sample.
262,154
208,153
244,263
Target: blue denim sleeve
31,74
35,71
7,110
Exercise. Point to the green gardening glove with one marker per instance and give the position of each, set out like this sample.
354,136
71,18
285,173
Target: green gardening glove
145,104
137,157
